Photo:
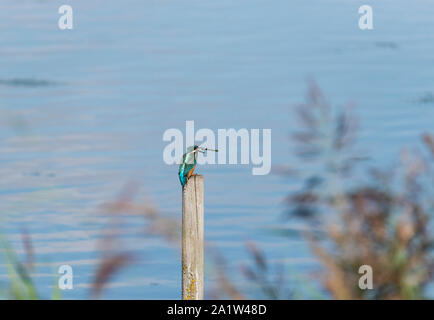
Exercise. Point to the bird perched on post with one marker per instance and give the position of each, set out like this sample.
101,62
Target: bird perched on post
188,163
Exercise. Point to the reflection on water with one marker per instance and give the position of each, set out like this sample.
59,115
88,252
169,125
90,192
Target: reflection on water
130,71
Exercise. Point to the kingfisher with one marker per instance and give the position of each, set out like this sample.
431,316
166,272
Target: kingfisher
189,162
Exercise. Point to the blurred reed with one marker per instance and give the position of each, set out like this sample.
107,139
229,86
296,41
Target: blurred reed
384,223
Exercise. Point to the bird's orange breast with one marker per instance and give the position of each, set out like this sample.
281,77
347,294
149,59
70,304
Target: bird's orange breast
191,171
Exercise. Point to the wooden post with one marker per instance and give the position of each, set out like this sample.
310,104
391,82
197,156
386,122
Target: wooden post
192,239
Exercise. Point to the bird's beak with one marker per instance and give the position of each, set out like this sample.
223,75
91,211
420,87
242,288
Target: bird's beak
207,149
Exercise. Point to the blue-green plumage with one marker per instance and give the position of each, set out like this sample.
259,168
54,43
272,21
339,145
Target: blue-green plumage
187,165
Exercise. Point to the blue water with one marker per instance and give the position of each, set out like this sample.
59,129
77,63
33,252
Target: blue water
93,103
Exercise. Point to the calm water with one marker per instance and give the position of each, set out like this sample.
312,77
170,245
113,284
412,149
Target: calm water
83,112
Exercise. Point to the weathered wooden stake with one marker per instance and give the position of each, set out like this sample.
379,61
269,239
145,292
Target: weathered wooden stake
192,239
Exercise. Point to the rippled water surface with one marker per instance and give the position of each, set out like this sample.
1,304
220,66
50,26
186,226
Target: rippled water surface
83,112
